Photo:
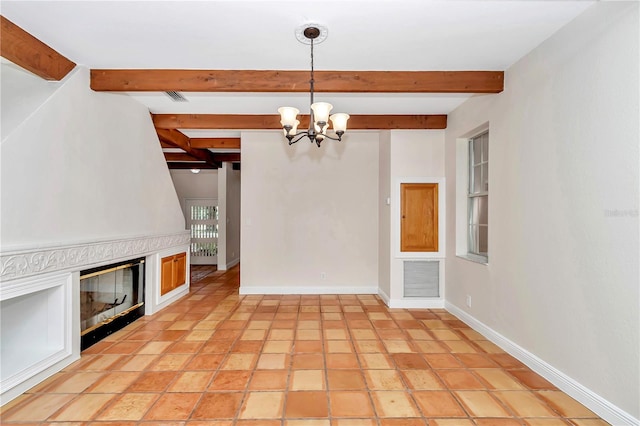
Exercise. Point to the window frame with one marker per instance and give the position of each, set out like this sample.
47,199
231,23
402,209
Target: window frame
475,193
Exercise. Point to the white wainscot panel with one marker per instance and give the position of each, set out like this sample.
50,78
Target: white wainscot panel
35,320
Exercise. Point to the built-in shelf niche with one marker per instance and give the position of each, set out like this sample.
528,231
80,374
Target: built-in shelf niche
35,318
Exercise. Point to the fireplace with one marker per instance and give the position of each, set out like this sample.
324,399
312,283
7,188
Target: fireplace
111,297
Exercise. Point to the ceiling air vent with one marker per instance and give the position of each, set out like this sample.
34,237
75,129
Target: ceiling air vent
176,96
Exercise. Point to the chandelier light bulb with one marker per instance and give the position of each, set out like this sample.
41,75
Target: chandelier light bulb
321,111
339,122
288,115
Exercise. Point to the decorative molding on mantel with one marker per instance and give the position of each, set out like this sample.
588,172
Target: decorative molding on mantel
75,257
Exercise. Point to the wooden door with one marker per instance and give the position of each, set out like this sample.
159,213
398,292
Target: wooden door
166,275
419,217
180,269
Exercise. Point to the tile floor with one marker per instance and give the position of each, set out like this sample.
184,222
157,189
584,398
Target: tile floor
217,358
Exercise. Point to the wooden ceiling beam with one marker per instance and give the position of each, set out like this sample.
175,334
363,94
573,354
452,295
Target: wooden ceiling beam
26,51
240,121
226,156
174,137
215,156
180,140
162,80
179,156
164,144
216,143
191,165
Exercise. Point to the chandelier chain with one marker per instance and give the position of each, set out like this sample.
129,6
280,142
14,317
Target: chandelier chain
312,81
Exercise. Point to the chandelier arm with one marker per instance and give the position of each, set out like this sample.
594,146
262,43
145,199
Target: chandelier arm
339,138
297,137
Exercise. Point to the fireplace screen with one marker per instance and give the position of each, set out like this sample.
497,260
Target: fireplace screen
110,298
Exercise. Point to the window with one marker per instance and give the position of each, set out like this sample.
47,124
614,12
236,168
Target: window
478,196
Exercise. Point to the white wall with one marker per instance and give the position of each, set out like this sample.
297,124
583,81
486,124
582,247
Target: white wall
414,155
384,215
84,166
562,279
22,93
229,209
233,215
83,183
195,185
308,211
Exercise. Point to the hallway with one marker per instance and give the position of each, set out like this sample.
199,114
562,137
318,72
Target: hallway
217,358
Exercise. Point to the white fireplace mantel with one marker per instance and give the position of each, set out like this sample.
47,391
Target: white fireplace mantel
27,262
40,296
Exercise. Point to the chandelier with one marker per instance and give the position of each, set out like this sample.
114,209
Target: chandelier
319,112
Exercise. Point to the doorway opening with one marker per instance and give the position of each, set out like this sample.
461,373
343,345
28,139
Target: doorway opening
202,221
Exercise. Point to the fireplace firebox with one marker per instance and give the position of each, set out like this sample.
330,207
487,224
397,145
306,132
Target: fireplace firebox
111,297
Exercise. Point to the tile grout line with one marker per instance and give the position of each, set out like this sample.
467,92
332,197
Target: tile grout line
230,304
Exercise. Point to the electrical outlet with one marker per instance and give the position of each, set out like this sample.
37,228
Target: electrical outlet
323,276
468,301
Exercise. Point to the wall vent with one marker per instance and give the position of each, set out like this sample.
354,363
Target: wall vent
176,96
421,278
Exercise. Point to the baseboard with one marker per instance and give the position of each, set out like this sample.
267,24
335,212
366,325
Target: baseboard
580,393
413,303
233,263
384,296
19,389
171,297
416,303
308,290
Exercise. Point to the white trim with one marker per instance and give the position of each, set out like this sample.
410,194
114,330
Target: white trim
154,301
603,408
395,217
474,258
172,296
233,263
461,195
61,324
38,377
228,265
35,268
411,302
83,255
338,289
384,296
43,282
416,303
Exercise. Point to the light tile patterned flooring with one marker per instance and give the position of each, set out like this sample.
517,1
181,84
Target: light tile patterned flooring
217,358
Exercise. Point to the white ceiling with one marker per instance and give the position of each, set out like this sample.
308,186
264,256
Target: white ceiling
363,35
407,35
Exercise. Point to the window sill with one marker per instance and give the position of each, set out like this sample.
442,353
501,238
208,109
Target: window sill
475,259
